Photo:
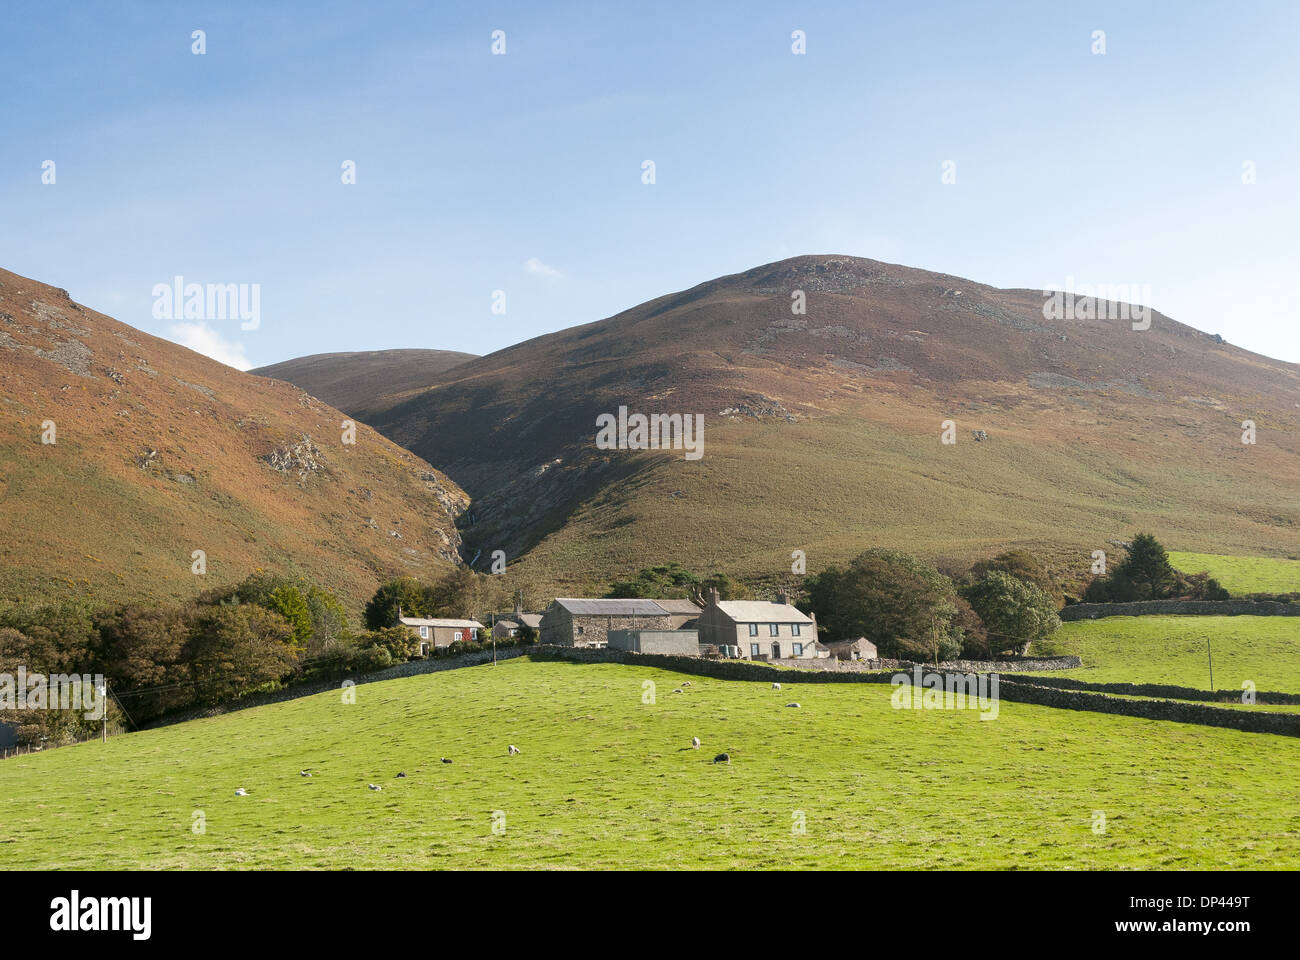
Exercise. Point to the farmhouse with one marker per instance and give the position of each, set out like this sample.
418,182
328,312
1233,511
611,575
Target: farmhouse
578,622
440,632
761,629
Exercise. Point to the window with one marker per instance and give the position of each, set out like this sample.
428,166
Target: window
424,649
581,629
455,637
798,649
753,650
773,629
794,628
753,629
424,633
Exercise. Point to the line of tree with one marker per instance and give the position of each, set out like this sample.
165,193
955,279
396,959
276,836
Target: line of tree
910,610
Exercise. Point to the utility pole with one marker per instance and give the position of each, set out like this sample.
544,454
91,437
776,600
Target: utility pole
1210,653
103,698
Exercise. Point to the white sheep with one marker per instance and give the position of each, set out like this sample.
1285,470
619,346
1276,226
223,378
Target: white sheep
374,786
792,705
776,686
241,792
513,749
695,742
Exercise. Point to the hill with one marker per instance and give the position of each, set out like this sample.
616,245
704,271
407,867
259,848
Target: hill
823,430
352,381
160,451
607,781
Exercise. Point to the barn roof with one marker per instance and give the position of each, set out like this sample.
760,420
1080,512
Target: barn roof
611,608
679,606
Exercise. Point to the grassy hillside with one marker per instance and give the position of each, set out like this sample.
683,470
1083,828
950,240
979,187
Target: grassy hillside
607,781
822,430
1241,575
1265,650
160,452
350,381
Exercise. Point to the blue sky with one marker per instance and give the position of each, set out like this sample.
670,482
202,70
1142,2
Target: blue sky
522,172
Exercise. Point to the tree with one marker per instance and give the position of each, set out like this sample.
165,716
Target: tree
1146,573
1014,612
459,594
1022,565
405,592
901,604
400,643
141,647
288,601
672,581
235,650
329,618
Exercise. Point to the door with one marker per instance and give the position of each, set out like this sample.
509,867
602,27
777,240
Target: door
776,651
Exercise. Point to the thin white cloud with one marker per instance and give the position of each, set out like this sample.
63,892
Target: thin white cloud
538,269
201,338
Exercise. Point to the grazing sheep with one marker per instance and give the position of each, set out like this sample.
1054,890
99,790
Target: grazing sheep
304,773
374,786
686,683
695,742
776,686
678,690
445,760
401,776
722,758
792,705
241,792
513,749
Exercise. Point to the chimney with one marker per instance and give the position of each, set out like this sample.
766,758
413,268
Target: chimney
782,598
519,608
713,594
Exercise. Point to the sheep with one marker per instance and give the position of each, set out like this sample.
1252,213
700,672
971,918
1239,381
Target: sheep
722,758
678,690
304,773
241,792
686,683
695,742
401,776
795,705
513,749
374,786
776,686
445,760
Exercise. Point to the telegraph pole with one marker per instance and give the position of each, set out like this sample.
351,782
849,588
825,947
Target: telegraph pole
1210,653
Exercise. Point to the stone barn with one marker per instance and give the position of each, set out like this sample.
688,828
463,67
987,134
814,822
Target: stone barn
577,622
859,649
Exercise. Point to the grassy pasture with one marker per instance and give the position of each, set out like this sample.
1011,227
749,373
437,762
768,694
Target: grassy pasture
1239,575
1173,649
607,781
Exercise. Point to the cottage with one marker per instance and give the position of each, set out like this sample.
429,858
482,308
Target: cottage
439,631
578,622
761,629
859,649
509,625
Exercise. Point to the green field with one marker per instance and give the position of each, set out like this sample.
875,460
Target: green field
1241,575
1176,649
607,781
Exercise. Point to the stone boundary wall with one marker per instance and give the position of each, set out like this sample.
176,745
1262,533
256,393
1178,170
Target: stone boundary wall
293,692
1161,690
1203,608
1018,690
1018,665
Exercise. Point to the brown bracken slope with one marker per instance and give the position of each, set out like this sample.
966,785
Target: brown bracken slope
348,380
823,430
160,452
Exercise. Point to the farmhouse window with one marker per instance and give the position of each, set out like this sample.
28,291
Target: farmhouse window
456,636
773,629
794,628
753,629
424,633
798,649
753,650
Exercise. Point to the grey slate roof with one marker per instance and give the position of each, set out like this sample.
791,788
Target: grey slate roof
611,608
679,606
761,611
